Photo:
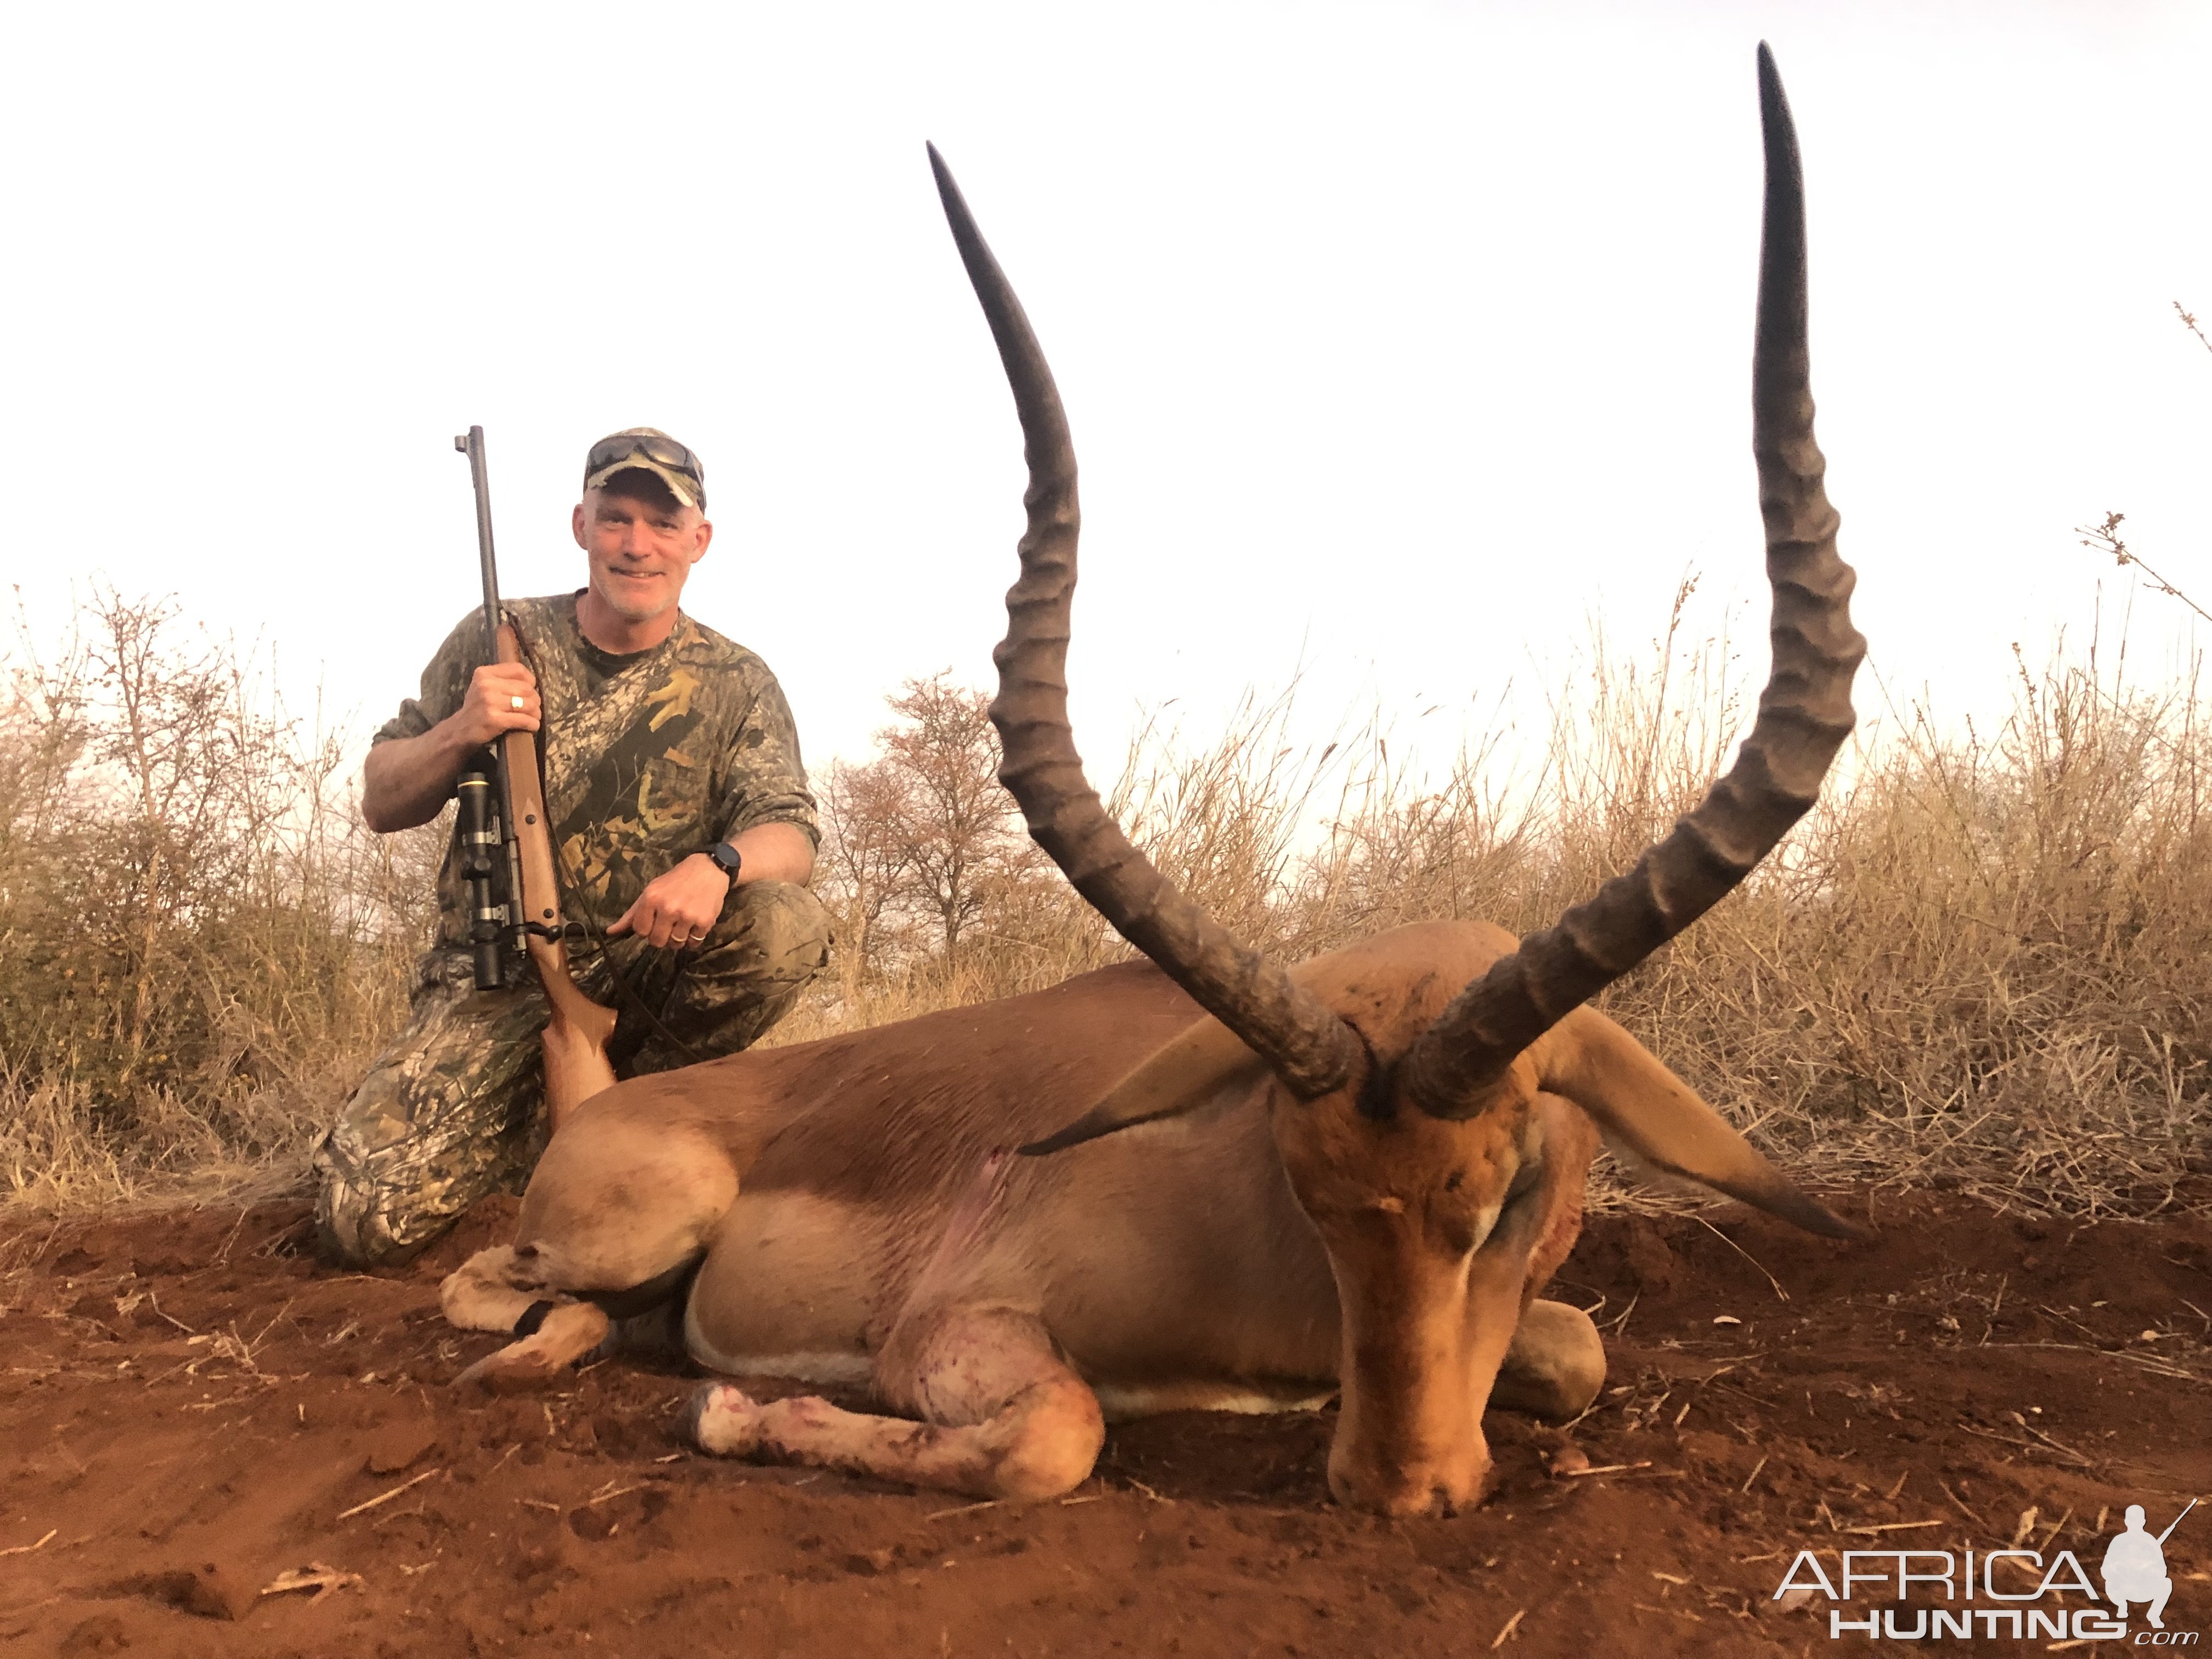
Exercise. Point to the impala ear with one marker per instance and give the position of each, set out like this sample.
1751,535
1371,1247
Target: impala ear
1177,1078
1645,1109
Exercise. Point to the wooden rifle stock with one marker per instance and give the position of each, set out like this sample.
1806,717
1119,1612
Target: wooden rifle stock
576,1036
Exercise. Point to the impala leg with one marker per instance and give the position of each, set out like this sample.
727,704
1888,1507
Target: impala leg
504,1290
490,1291
568,1331
514,1289
588,1253
1555,1365
1004,1417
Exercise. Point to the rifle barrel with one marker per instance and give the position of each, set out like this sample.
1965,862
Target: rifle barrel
472,445
2176,1521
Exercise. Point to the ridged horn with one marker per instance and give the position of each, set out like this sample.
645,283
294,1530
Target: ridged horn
1804,714
1297,1034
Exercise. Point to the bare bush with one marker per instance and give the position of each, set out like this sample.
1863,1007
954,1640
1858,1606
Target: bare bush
203,939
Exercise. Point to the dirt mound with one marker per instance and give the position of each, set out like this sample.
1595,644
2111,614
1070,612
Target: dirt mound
193,1410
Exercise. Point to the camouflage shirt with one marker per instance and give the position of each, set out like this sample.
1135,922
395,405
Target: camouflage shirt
648,758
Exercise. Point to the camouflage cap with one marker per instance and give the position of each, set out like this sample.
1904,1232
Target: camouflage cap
647,449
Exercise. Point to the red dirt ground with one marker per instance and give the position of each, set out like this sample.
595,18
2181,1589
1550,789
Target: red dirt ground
191,1405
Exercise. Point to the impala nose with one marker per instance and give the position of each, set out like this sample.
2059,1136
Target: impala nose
1406,1490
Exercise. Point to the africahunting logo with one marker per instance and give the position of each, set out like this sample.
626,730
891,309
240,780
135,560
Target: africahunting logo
1951,1589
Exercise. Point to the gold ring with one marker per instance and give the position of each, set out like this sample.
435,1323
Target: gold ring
515,703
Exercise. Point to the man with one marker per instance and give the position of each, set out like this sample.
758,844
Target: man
682,832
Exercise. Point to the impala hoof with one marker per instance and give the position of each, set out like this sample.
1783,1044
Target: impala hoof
569,1331
723,1421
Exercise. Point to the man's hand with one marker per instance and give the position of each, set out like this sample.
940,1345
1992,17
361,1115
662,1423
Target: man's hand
502,696
406,779
679,908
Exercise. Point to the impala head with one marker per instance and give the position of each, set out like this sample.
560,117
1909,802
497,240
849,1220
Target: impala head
1424,1083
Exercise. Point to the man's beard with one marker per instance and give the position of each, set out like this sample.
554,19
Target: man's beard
637,609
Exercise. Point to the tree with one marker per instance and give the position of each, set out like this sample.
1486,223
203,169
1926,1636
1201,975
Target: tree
920,842
957,826
864,860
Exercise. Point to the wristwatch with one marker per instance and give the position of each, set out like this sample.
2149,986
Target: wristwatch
726,860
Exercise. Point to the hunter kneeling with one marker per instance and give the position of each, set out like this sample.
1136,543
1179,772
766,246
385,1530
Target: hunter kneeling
683,835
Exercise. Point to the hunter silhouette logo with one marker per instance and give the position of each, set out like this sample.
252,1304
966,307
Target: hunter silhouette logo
1971,1596
2135,1567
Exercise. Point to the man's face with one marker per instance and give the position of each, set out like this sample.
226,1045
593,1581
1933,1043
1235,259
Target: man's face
641,550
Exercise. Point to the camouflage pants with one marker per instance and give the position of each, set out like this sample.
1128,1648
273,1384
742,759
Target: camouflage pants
453,1109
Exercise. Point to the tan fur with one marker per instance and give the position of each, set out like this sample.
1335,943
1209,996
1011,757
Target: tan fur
489,1291
862,1213
570,1331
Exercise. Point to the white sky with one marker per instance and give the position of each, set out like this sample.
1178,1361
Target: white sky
1397,339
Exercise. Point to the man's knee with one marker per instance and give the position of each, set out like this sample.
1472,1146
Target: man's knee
426,1135
372,1129
355,1222
386,1217
773,940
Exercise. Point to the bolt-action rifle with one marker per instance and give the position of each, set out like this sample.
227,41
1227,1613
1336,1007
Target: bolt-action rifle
508,862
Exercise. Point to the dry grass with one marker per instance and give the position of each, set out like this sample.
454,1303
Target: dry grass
1983,963
203,943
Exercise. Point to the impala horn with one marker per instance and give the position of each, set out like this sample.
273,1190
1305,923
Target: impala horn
1299,1037
1804,714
